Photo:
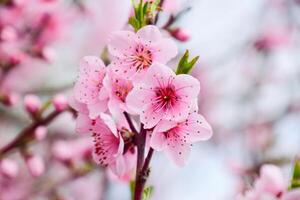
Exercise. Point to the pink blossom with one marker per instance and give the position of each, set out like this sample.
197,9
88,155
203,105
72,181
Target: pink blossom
270,183
175,138
89,88
163,96
109,148
118,89
134,53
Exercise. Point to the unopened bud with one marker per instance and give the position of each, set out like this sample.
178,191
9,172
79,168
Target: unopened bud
60,102
181,34
35,165
9,168
40,133
32,104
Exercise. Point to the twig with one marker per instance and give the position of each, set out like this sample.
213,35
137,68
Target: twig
129,121
27,132
140,178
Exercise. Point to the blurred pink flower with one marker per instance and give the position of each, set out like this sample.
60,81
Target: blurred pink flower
35,165
270,183
9,168
163,95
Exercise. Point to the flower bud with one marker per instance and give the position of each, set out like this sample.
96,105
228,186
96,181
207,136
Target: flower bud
60,102
32,104
9,168
181,34
40,133
35,165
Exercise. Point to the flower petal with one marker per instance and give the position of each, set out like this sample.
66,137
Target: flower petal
165,50
121,42
178,152
196,128
149,34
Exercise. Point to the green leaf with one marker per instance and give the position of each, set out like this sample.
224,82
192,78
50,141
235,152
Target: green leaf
184,65
134,23
295,183
147,193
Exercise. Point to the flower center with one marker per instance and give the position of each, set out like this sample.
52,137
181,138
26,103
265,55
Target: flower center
142,57
121,90
165,98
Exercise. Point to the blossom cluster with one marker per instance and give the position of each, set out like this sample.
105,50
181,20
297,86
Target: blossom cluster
138,84
28,30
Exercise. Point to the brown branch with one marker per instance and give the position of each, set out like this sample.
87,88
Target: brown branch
27,132
141,175
129,121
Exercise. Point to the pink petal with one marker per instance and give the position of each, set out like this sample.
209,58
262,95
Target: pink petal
83,123
150,118
80,107
196,128
110,123
292,195
138,98
158,141
165,50
178,152
89,83
159,75
149,33
165,125
122,68
187,86
121,42
97,108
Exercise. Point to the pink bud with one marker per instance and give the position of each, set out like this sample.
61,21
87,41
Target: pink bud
8,33
40,133
32,103
181,34
35,165
9,168
60,102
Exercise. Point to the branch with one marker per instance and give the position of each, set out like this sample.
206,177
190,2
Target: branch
27,132
141,176
129,121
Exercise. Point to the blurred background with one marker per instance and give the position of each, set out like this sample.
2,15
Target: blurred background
249,69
